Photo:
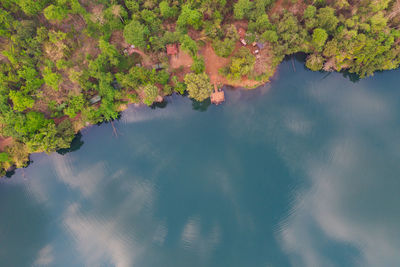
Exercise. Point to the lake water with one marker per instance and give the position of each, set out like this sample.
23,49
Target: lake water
302,172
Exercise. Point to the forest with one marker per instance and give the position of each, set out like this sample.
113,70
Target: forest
66,64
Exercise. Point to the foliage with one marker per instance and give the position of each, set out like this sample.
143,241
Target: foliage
242,9
189,17
52,79
53,12
21,101
326,19
150,92
167,11
4,157
198,65
98,72
189,45
315,62
319,38
75,105
198,86
241,64
225,47
136,33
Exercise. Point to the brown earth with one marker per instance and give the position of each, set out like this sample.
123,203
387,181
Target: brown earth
4,142
117,39
263,61
281,5
214,62
181,59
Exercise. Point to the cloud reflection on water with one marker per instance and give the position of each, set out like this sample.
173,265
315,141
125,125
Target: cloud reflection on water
347,201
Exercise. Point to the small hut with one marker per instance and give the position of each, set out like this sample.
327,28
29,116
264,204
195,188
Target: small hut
260,45
172,50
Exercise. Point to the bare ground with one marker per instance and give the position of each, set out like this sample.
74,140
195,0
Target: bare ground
4,142
213,63
182,59
118,40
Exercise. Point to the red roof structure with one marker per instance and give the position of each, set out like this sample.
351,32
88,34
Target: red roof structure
172,49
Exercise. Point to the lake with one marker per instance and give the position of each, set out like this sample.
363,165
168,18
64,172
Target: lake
301,172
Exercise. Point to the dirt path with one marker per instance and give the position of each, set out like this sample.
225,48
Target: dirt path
146,60
213,64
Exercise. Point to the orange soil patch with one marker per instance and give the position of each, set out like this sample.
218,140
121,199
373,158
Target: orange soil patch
118,40
263,60
72,21
181,59
214,63
241,24
298,8
281,5
180,64
3,58
4,142
87,45
277,8
97,13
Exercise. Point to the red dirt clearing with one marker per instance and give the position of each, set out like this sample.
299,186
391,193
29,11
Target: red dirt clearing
4,142
214,63
181,59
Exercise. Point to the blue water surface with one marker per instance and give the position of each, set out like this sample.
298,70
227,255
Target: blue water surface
301,172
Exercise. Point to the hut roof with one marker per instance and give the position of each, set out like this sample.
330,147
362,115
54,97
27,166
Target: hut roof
172,49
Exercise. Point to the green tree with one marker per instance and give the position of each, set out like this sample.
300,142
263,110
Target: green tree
260,25
270,36
74,106
189,17
21,101
309,12
242,63
53,12
315,62
5,22
167,11
326,19
319,38
34,122
198,86
4,157
198,65
52,79
135,33
189,45
151,93
31,7
242,9
224,48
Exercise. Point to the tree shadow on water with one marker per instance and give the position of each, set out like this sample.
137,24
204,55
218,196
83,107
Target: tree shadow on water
157,105
353,77
75,145
302,57
201,106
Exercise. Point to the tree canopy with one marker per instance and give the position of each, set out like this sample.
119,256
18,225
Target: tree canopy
198,86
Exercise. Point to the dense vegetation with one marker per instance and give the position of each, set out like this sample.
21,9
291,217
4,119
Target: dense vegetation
65,64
